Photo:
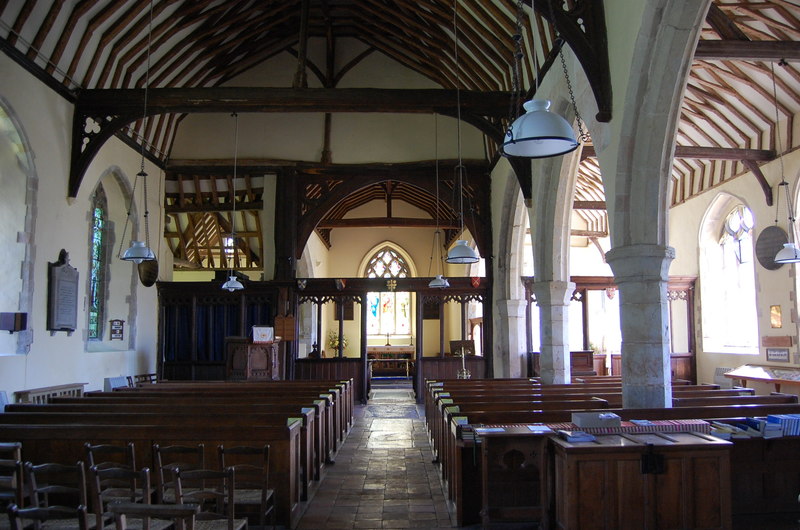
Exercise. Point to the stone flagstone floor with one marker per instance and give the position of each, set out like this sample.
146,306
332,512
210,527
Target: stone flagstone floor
383,476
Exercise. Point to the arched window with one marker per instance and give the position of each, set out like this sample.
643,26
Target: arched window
729,319
97,264
388,313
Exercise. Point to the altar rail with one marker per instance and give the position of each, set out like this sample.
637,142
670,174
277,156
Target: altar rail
44,394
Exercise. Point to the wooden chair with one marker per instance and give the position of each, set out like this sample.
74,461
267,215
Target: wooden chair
55,517
252,494
167,459
113,484
56,486
106,455
181,515
214,495
11,492
11,451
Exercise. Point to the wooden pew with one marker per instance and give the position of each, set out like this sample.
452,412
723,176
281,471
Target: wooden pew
715,400
329,414
464,469
314,458
346,389
342,402
123,416
64,443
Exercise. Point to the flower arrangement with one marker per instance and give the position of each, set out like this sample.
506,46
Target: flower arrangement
333,341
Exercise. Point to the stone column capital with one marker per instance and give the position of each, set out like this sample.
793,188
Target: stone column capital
511,308
639,263
553,293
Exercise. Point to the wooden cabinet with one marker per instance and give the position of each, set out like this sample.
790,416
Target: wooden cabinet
647,481
246,361
515,478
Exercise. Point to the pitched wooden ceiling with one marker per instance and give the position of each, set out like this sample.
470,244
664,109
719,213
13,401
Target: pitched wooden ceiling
90,44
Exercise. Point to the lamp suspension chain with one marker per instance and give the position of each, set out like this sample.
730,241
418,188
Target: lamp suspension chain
583,135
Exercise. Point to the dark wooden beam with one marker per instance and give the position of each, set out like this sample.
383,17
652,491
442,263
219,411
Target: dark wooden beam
582,24
587,233
708,153
205,208
589,205
762,181
401,222
723,25
739,50
271,99
294,168
110,110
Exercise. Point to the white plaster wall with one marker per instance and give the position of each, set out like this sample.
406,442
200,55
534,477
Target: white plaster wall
772,287
60,223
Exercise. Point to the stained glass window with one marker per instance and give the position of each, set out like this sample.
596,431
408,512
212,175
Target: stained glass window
388,313
97,265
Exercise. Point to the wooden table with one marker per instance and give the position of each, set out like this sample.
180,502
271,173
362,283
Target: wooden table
776,375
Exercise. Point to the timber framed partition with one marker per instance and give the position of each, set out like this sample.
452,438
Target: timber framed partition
680,294
196,317
462,290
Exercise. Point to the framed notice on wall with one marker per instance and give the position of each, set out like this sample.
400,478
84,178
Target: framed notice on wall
62,295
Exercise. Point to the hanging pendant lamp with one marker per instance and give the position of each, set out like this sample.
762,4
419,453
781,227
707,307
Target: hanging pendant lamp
140,251
233,283
538,133
789,253
439,281
461,253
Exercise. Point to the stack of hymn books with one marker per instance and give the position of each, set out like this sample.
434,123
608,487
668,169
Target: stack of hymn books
641,426
576,436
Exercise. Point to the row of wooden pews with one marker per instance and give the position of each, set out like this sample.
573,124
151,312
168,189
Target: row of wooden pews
457,411
303,422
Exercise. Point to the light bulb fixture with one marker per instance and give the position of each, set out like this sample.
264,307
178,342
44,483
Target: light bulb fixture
233,284
461,253
789,253
140,251
538,133
438,282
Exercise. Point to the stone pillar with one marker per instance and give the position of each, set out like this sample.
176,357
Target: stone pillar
554,357
641,273
512,345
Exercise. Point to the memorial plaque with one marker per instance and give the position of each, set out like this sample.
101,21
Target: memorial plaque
62,295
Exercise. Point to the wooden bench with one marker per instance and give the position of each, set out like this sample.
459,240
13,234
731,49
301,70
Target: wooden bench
341,392
463,478
336,423
313,456
64,443
189,419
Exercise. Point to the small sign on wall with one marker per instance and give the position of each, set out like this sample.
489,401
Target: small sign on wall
116,329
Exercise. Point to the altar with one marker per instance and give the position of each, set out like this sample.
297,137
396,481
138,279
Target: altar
388,361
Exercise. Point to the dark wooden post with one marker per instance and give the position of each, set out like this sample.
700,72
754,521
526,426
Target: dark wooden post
365,383
340,316
418,362
440,303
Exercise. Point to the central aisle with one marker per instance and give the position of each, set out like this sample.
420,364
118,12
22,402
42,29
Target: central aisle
383,476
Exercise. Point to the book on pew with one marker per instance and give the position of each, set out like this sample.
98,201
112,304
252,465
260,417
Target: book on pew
790,423
540,428
576,436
